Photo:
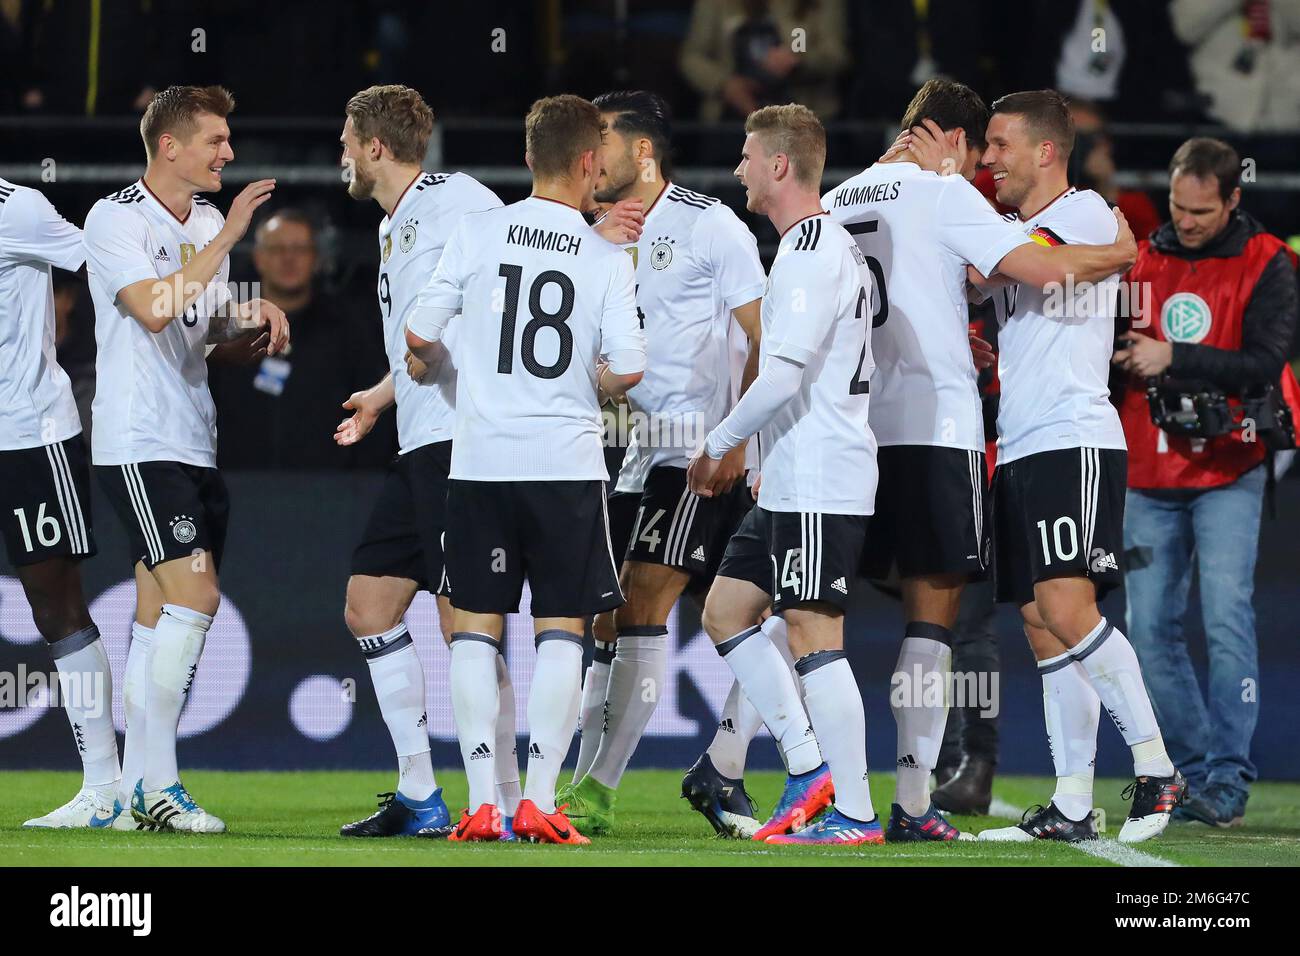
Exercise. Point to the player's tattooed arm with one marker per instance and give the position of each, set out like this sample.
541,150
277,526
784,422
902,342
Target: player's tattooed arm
155,303
366,405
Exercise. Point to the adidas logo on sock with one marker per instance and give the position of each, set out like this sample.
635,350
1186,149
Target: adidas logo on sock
423,721
727,725
535,752
480,752
908,762
840,585
698,554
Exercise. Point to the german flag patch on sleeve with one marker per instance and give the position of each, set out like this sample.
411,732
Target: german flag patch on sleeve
1045,237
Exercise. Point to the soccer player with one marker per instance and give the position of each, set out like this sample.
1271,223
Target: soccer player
549,326
45,490
697,272
799,548
919,230
1059,485
385,136
157,256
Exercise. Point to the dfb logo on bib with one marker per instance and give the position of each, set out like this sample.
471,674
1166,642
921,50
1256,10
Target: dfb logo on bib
1185,318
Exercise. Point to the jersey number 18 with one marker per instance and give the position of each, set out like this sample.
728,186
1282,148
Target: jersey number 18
540,319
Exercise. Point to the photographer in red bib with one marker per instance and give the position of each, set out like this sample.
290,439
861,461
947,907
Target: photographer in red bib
1209,394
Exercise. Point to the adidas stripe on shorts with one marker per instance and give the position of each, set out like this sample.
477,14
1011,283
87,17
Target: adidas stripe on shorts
169,509
1059,514
679,529
45,502
797,556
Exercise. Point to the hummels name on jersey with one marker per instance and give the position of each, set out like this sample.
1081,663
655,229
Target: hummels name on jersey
876,192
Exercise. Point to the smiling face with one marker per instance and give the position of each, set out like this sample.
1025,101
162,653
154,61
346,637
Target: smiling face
616,161
1197,210
1013,157
199,158
356,161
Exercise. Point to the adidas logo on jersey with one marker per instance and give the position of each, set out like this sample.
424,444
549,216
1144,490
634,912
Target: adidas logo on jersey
161,255
481,752
1103,561
698,554
840,585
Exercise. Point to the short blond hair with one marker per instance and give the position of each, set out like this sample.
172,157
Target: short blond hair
558,130
795,130
395,115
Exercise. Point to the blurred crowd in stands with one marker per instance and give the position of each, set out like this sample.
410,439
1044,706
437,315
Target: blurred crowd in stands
1234,64
1232,61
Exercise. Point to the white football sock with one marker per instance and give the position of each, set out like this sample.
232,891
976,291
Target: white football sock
86,686
1071,710
1116,676
736,728
594,690
135,697
507,762
552,713
768,684
399,686
177,646
475,705
835,705
919,700
635,684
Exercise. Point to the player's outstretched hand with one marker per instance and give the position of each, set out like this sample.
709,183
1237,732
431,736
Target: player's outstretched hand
937,151
700,474
259,313
981,352
366,410
245,204
1124,239
622,222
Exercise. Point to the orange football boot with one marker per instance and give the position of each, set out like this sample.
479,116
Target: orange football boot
533,825
485,824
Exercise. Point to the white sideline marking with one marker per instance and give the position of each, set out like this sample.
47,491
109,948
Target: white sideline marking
1120,854
1103,848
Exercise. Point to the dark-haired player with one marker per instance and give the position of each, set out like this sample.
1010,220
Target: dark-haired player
919,231
698,273
1060,483
157,256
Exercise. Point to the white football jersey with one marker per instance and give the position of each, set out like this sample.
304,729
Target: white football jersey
1054,353
151,392
918,231
818,451
695,263
411,241
36,403
541,297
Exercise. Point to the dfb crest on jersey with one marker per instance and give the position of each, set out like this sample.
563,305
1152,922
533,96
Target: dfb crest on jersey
388,246
661,254
406,237
183,529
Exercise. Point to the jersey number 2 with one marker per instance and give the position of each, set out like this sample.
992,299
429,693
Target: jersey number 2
540,319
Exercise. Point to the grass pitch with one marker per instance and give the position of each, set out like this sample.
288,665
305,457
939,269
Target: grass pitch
292,819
